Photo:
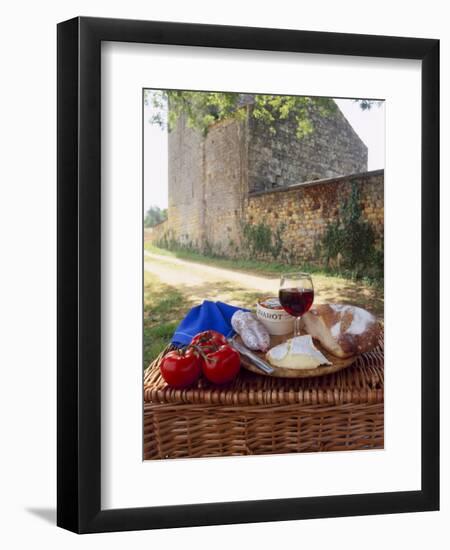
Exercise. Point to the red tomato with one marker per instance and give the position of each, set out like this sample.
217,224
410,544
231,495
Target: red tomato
181,368
222,366
208,339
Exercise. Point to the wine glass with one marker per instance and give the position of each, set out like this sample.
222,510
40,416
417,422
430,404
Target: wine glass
296,295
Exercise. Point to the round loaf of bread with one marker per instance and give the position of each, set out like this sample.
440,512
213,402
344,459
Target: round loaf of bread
341,329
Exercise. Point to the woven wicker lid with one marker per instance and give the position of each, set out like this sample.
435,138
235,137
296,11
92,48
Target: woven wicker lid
363,382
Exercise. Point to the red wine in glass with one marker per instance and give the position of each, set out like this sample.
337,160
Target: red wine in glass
296,295
296,301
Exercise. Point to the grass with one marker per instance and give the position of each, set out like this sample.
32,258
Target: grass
164,307
246,298
255,266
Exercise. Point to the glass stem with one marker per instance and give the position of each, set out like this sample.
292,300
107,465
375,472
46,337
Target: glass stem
297,326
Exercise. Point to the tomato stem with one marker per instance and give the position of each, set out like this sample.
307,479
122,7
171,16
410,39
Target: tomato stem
200,351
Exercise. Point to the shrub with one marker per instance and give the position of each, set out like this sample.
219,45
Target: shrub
259,239
353,239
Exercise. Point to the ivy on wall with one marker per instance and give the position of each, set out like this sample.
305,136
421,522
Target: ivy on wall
350,240
259,239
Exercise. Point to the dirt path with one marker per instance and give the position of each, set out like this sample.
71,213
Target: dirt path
200,281
175,271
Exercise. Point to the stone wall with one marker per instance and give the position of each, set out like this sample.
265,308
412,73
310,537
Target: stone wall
281,159
157,232
240,175
302,212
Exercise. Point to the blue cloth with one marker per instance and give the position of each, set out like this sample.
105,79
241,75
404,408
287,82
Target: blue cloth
207,316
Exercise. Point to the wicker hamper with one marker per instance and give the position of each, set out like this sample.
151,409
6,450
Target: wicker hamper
262,415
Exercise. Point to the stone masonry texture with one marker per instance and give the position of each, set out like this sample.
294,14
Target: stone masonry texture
302,212
240,175
281,159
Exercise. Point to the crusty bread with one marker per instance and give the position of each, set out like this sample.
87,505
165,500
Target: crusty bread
342,330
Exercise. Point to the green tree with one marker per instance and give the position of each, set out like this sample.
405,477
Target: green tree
204,108
155,215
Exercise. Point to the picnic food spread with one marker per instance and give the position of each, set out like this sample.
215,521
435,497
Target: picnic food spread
333,335
235,382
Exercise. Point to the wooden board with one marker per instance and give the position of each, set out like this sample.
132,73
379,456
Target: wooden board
283,372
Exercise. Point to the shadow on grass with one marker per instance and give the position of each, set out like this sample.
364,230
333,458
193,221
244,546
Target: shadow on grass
166,305
358,294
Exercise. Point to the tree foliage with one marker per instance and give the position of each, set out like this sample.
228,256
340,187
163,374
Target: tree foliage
155,215
204,108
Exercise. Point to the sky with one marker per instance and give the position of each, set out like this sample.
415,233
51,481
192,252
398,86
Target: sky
369,125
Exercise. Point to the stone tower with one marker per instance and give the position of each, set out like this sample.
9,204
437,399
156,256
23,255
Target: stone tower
211,177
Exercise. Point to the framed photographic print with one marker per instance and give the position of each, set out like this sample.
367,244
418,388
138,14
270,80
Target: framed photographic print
248,307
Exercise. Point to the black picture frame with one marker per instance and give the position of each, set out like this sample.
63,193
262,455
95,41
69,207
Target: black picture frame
79,275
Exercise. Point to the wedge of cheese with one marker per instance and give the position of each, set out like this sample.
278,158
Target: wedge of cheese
297,353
